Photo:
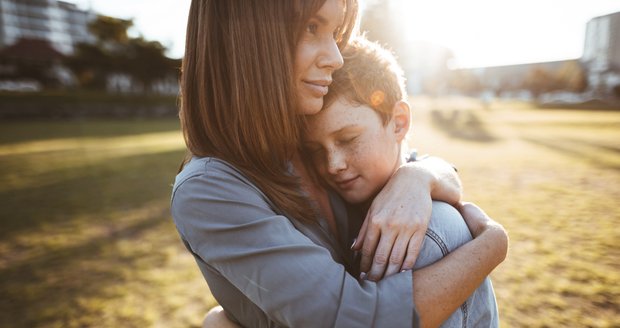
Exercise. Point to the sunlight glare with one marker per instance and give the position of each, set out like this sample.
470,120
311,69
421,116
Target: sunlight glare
488,33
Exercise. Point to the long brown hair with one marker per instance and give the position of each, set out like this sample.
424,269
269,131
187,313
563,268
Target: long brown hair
238,100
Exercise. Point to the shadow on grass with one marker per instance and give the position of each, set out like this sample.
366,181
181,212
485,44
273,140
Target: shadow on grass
52,286
97,189
603,147
24,131
86,238
567,147
60,276
461,124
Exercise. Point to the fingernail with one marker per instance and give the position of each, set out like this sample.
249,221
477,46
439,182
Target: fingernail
363,276
354,241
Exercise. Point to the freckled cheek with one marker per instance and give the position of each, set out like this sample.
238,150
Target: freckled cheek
357,157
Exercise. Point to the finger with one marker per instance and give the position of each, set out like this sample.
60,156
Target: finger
413,250
382,256
368,249
359,241
397,255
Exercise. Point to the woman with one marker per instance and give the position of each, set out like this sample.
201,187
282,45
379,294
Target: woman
272,257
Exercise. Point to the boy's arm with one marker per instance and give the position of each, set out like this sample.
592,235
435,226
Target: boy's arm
441,287
392,233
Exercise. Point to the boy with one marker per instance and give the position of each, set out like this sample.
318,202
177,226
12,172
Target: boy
355,144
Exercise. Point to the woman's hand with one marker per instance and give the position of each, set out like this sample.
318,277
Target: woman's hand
476,219
392,233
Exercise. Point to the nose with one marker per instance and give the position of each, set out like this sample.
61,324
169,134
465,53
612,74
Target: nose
336,162
330,57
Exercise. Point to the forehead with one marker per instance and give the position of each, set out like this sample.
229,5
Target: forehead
342,113
331,12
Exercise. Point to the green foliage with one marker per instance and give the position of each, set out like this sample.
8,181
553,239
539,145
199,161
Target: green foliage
110,30
114,52
568,77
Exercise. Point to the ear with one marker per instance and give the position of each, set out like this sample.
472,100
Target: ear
401,119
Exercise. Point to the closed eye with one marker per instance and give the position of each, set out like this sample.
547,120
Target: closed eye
348,139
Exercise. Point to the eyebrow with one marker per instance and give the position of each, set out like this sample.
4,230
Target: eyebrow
325,21
321,19
350,126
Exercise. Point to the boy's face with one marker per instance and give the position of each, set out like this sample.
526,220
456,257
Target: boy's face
352,149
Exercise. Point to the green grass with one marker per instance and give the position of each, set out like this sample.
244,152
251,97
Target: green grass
86,237
552,178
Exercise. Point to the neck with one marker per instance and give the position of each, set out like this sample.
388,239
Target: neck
317,194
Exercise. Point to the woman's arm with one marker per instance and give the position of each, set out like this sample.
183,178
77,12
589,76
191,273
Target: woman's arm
259,264
442,287
393,230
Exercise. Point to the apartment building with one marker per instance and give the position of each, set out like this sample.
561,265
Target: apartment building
601,53
61,24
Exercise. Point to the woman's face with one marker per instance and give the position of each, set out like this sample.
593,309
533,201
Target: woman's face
317,56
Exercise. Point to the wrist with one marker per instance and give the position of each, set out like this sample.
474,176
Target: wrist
421,175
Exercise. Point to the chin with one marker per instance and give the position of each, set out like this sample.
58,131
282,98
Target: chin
311,106
354,199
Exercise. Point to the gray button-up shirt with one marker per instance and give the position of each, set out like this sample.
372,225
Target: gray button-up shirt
267,270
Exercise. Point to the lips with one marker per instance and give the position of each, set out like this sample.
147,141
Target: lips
318,88
344,184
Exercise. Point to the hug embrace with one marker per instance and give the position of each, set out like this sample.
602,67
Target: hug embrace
297,201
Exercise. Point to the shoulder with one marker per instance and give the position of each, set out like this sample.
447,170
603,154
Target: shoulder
207,167
210,175
210,189
448,224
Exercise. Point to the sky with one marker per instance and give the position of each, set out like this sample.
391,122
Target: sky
479,32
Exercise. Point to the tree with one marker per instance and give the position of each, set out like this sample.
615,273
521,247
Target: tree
115,52
539,80
146,61
465,81
616,90
572,77
379,24
110,30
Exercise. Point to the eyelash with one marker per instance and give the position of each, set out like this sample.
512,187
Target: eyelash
312,28
348,140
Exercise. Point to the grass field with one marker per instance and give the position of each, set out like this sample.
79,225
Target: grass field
87,239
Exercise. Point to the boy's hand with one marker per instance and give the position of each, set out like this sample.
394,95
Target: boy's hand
392,233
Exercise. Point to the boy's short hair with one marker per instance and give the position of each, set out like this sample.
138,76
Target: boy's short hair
370,76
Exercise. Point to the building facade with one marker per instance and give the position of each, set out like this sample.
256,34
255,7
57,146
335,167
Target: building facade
60,23
601,53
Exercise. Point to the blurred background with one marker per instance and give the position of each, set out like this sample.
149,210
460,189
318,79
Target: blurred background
522,96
